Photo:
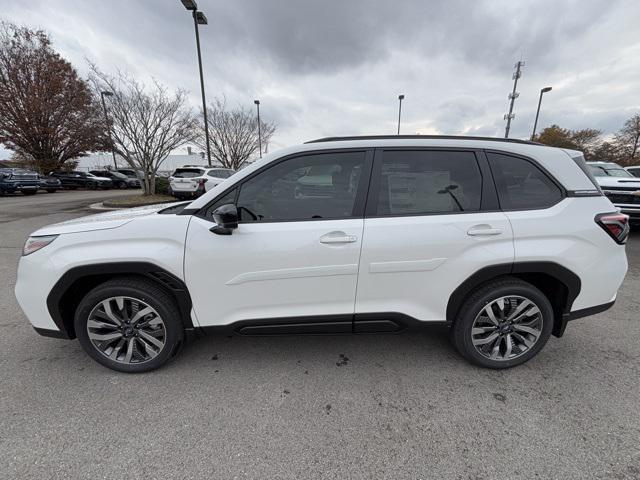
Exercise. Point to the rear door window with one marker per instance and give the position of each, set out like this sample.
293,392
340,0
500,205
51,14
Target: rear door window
424,182
521,184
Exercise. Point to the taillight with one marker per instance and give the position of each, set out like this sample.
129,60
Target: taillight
615,224
202,181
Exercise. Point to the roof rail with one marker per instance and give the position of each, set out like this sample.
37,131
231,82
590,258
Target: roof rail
420,137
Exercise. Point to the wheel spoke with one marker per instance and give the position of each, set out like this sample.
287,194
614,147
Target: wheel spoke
525,309
141,313
482,330
129,354
98,324
148,348
509,344
151,339
104,337
117,349
106,305
485,340
489,311
530,330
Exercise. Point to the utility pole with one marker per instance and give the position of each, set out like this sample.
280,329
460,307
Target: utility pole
512,97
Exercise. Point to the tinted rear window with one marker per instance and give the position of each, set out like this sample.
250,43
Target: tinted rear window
521,184
188,173
427,182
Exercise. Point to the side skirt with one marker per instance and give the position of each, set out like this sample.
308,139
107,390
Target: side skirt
361,323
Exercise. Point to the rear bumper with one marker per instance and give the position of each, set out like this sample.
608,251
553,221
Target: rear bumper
559,329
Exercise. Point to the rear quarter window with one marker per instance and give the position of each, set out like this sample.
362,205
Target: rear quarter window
521,184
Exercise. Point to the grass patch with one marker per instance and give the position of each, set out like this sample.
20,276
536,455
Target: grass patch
138,201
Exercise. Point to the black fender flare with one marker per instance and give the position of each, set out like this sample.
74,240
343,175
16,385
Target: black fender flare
566,277
87,275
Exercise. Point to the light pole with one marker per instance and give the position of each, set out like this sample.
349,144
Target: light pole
200,19
535,124
107,93
400,98
257,102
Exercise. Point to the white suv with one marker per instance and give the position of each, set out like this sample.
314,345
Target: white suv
503,241
193,180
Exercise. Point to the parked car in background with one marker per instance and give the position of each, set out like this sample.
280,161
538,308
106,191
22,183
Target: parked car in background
18,180
192,181
620,186
635,170
120,180
76,179
504,242
49,184
130,173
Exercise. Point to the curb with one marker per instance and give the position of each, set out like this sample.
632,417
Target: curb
100,207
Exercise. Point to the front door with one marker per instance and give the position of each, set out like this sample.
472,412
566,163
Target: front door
294,256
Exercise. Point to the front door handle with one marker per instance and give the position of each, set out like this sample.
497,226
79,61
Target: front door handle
338,237
484,230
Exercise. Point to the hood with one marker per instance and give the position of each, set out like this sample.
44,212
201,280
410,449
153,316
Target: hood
618,182
101,221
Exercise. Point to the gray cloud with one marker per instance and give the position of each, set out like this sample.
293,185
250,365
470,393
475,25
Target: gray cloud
336,67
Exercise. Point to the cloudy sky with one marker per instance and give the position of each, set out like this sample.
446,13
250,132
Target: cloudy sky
336,67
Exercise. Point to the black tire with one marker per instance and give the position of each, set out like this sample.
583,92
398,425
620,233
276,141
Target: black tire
51,190
461,331
147,292
29,192
122,185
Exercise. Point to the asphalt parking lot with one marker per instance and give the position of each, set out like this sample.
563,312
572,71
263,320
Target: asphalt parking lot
392,406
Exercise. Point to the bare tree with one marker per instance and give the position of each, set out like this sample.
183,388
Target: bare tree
233,134
628,141
47,113
147,123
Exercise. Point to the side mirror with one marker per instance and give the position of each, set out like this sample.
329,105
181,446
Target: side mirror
226,217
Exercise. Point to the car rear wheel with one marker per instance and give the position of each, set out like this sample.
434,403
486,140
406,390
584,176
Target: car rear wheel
129,325
503,324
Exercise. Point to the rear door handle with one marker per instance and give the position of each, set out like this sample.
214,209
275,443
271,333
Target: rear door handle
338,237
484,230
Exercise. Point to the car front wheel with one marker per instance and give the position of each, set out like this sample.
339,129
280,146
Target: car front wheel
503,324
129,325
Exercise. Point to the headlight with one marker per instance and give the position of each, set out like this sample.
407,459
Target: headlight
33,244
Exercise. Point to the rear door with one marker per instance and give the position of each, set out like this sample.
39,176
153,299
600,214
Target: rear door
432,220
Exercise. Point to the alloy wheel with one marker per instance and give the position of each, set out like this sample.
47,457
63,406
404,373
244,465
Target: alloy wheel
506,328
126,330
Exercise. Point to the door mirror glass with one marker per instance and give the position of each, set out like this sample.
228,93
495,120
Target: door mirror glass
226,217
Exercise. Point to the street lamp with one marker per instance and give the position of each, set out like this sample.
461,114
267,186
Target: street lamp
535,124
107,93
400,98
199,18
257,102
